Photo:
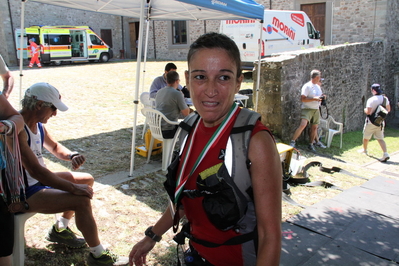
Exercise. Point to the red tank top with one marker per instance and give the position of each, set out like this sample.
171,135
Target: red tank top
201,227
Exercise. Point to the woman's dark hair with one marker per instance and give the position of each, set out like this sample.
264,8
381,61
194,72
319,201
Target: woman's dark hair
216,40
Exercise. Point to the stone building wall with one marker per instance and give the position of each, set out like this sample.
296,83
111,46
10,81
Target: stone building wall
348,70
159,31
5,32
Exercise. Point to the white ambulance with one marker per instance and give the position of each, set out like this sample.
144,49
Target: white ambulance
282,31
64,43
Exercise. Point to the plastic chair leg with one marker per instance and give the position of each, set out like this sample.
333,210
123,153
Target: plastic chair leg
18,256
329,139
144,128
150,149
340,145
167,146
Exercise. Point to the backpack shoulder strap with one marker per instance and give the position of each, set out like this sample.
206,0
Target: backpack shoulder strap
236,156
185,128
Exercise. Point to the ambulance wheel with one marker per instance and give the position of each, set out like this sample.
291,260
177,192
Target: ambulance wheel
104,57
57,63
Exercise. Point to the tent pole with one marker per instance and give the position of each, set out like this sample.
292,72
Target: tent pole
145,53
21,48
136,94
259,64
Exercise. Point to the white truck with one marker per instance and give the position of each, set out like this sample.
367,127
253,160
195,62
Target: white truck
282,31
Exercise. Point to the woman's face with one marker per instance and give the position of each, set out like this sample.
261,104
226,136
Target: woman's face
212,81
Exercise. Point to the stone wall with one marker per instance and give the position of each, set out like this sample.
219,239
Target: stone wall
348,70
159,38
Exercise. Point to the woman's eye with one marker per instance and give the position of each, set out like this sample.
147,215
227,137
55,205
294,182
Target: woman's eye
199,77
224,77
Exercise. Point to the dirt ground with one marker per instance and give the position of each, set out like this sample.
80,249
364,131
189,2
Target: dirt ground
99,125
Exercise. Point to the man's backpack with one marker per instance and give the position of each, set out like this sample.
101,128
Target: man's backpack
380,113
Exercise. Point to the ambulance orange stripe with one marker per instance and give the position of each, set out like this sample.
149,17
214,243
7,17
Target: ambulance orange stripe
58,47
97,47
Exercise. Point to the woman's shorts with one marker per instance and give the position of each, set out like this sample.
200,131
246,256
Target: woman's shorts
6,229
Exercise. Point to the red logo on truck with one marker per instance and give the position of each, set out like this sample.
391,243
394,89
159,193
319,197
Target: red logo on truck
298,19
280,26
243,21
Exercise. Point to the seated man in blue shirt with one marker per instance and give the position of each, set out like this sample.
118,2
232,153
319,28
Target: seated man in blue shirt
161,82
170,101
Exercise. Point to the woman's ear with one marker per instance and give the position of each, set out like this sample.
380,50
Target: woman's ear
239,81
186,75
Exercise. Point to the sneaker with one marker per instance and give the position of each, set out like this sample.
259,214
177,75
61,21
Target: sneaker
66,237
311,148
292,143
384,158
107,259
321,145
362,151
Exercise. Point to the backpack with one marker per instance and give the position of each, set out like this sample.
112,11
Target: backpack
234,208
379,115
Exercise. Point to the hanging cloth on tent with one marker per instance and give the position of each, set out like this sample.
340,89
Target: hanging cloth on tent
12,185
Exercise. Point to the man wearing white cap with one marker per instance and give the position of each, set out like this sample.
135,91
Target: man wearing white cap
40,103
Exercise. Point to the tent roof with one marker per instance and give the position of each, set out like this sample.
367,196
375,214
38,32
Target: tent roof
169,9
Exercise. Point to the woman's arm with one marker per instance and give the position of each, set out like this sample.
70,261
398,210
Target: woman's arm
7,112
138,255
266,175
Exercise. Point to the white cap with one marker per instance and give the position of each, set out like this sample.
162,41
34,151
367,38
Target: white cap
43,91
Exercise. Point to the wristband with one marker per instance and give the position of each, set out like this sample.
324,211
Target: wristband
73,154
152,235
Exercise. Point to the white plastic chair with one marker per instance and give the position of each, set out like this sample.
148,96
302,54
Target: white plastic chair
18,256
154,120
329,127
147,103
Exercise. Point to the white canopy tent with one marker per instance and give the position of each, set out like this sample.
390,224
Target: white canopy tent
160,10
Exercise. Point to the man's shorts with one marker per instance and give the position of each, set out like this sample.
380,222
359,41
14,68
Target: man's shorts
311,115
369,130
29,191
